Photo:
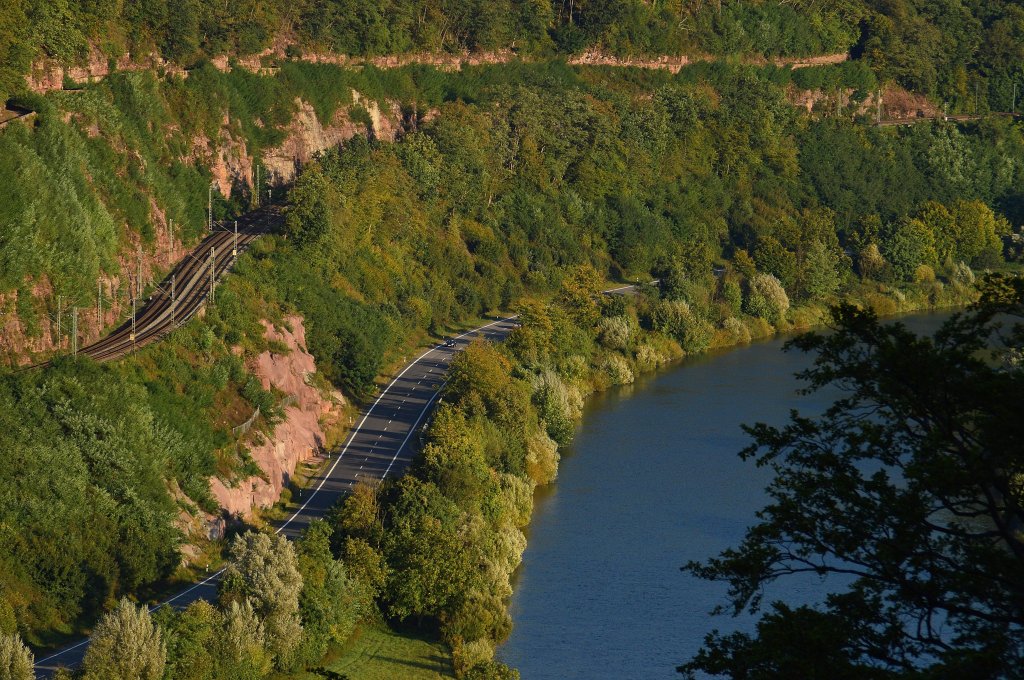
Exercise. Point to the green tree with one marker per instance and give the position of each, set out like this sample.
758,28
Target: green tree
977,237
125,645
430,551
910,485
909,244
766,298
774,258
263,570
193,640
244,649
822,274
16,661
331,602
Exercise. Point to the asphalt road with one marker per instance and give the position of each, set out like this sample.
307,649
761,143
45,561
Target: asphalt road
381,445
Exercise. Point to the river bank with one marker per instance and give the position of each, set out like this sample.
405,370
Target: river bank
464,507
651,481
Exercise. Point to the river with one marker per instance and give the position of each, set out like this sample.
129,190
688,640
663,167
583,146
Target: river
653,480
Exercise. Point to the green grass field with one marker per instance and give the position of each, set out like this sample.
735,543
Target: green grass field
375,652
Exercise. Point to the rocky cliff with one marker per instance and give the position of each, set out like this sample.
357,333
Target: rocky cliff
302,433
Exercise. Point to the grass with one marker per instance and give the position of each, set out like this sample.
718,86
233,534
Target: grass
375,652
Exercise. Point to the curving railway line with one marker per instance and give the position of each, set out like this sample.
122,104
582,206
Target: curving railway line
184,291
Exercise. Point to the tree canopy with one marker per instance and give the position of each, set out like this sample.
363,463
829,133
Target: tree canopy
910,484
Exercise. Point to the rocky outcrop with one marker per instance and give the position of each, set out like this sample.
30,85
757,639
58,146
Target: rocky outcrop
47,74
892,103
301,433
672,64
307,136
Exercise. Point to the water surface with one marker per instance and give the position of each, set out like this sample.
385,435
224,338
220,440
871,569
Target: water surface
652,480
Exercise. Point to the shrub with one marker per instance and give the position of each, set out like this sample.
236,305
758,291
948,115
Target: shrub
737,330
615,332
16,661
676,319
126,644
559,406
541,458
616,369
924,274
766,299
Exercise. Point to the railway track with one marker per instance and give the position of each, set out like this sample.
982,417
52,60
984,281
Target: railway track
184,291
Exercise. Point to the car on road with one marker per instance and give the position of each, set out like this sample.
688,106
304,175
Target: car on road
449,342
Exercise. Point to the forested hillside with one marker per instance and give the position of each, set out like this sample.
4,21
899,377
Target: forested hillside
534,169
525,185
954,50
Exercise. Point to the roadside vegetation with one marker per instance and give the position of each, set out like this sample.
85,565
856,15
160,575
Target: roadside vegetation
520,186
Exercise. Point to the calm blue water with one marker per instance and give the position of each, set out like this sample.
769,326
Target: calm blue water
652,481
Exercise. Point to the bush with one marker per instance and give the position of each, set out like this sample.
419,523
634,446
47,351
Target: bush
16,661
766,299
125,645
541,458
615,332
616,369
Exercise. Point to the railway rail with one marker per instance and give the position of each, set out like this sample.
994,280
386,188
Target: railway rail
185,290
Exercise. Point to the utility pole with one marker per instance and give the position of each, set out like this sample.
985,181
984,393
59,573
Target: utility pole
234,246
74,331
170,241
99,303
209,207
139,285
256,186
174,302
213,273
132,336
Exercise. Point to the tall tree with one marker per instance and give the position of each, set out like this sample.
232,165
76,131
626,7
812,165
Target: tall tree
264,571
126,645
910,483
16,661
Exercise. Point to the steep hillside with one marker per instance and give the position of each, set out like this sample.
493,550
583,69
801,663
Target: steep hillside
110,183
440,195
963,53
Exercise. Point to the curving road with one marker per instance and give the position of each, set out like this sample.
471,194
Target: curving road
379,446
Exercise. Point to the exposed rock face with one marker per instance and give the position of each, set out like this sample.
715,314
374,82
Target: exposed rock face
895,103
673,64
50,74
232,166
298,437
306,138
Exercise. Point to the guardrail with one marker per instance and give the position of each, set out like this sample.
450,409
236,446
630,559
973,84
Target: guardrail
247,425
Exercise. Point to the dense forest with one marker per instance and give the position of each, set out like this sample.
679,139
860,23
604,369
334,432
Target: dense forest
525,185
525,181
967,53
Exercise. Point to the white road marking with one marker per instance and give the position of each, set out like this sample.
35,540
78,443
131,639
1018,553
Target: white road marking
352,437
